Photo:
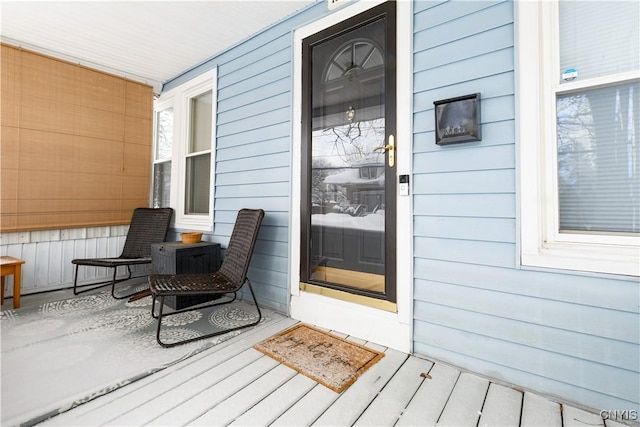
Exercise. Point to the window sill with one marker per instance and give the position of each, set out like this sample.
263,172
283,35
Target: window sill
621,260
195,223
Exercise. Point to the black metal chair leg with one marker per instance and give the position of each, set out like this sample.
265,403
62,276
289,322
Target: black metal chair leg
173,344
113,285
255,302
191,308
75,282
159,320
96,285
153,306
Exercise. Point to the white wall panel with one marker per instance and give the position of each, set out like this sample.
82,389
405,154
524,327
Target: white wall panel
48,256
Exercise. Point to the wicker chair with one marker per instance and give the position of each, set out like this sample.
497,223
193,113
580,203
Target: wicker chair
147,226
231,276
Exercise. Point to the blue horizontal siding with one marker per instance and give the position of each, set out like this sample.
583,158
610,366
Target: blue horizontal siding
258,121
465,251
254,84
256,163
450,21
268,189
255,108
261,132
466,205
256,148
469,228
584,319
499,38
438,12
266,92
572,335
465,70
244,68
606,351
582,290
566,377
241,177
471,157
463,182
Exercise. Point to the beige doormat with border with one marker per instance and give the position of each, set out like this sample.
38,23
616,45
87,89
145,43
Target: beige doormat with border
332,361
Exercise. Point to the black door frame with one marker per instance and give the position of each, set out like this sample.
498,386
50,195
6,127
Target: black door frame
386,11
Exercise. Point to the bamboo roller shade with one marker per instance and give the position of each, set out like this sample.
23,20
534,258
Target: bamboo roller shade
75,144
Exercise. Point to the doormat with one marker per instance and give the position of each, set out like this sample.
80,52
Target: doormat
333,362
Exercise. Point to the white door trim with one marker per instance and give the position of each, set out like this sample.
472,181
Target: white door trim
393,330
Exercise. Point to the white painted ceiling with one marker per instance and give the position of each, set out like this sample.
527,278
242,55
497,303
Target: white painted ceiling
150,41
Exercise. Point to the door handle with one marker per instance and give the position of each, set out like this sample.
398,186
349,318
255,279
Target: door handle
391,148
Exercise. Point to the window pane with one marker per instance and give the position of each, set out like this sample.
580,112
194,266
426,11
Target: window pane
599,159
161,184
599,37
164,134
197,191
201,116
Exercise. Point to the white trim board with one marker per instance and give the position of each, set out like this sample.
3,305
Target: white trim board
390,329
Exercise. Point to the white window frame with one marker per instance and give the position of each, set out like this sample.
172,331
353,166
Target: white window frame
158,107
180,98
541,244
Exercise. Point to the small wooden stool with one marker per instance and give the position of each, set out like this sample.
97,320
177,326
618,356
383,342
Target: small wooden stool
10,265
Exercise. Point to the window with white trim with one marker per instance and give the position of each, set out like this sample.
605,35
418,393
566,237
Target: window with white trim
578,89
184,141
163,146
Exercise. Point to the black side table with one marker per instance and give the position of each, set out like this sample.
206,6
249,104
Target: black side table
181,258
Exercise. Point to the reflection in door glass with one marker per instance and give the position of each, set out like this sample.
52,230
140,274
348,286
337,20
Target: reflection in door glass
348,176
347,200
347,220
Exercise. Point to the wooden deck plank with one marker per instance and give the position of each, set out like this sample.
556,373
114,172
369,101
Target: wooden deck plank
355,400
429,401
245,399
539,412
187,411
184,386
391,401
276,403
574,417
502,407
465,403
308,408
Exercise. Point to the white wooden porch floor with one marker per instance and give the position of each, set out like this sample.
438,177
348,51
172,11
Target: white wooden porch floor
233,384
